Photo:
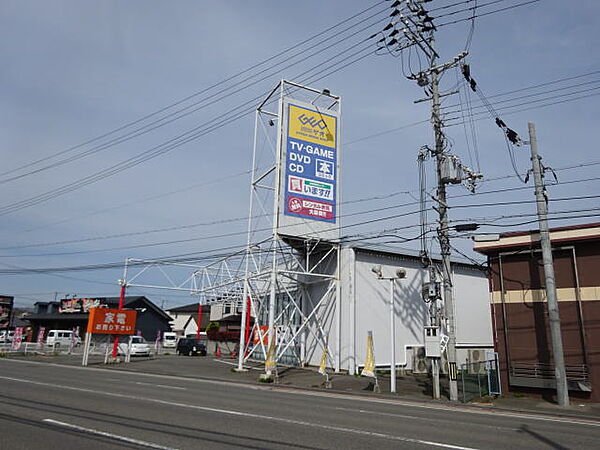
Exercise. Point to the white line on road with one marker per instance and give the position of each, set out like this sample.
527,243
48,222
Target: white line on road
115,437
261,368
161,386
417,418
347,397
246,414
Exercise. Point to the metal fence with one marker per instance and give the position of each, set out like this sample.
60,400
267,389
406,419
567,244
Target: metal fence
479,379
33,348
101,348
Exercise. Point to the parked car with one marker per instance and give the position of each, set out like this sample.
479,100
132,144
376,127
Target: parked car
6,337
190,347
169,340
139,346
62,338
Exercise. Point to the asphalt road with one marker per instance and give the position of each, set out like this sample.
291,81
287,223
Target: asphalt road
59,407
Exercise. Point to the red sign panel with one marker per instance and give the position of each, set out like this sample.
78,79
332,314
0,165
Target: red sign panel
263,331
312,208
111,321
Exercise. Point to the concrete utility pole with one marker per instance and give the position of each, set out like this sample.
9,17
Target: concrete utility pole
417,30
562,391
444,237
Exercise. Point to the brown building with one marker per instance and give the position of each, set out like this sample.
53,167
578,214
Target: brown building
520,313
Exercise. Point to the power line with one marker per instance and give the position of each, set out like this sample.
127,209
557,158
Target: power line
238,219
536,86
346,239
203,91
173,143
487,13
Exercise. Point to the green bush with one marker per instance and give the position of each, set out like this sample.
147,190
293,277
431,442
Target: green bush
213,326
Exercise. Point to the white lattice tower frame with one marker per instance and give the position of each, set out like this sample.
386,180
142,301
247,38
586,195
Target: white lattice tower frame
283,267
273,268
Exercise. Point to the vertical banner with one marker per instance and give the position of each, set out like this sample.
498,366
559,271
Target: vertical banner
40,337
309,179
323,365
157,341
17,339
74,337
369,369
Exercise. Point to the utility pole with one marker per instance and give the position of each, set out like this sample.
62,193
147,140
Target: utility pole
444,237
562,391
416,31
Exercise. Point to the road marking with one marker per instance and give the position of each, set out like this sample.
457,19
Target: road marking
161,385
261,368
115,437
418,418
231,412
348,397
447,408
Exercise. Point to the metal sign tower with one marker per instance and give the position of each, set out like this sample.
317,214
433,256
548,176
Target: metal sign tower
285,283
291,285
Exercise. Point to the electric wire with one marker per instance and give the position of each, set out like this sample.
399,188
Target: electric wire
239,219
162,148
117,168
203,91
178,259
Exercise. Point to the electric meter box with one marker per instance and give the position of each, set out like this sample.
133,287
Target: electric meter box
433,343
430,290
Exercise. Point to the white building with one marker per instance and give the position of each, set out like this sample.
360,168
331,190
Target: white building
365,306
185,319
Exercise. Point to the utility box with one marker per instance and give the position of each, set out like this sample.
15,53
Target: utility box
451,170
430,290
433,344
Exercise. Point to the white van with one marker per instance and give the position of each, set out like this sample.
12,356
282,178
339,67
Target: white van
62,338
6,336
169,339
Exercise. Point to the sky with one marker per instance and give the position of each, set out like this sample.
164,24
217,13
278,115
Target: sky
74,71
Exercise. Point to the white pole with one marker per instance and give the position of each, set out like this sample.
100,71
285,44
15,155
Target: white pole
338,311
86,349
393,338
246,291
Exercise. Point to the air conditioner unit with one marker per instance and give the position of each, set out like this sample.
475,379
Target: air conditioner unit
420,363
476,361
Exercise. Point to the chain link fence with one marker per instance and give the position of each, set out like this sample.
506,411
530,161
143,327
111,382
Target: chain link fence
479,379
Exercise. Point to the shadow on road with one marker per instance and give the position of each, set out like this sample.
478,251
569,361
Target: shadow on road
539,437
197,433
